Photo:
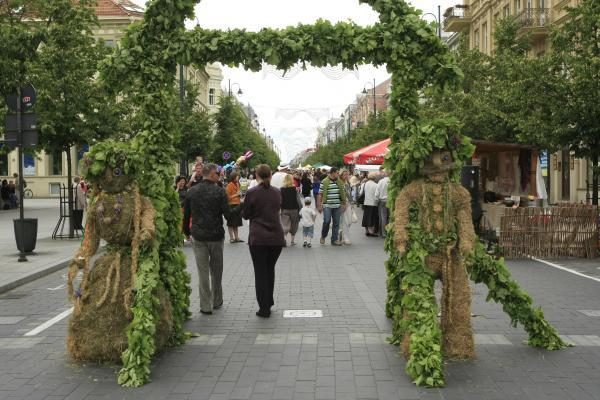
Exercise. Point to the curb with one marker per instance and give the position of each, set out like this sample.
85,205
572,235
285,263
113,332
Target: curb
35,275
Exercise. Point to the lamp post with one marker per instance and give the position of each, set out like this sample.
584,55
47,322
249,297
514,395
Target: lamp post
438,20
239,92
374,99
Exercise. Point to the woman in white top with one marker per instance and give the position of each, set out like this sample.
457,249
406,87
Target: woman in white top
371,214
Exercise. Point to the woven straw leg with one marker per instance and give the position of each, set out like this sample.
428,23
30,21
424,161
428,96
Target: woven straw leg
457,341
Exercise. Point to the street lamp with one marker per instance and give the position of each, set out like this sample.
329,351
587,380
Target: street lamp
438,20
239,92
365,92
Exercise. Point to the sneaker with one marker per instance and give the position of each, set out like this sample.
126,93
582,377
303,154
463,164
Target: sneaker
218,306
304,244
206,312
337,243
347,242
322,241
308,245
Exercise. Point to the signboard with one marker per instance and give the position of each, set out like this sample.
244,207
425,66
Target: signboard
28,97
544,163
28,122
30,139
226,155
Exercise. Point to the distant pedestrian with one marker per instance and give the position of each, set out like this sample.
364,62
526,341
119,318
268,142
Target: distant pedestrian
305,185
196,177
347,214
5,195
370,207
181,189
332,203
290,207
12,191
308,215
261,207
234,194
206,204
316,185
79,205
381,195
277,179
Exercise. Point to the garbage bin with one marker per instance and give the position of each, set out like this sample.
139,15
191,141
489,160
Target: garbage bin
29,227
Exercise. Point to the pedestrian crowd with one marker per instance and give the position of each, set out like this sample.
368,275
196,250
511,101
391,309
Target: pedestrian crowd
9,193
276,206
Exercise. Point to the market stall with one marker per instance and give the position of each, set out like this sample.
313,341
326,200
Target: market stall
373,154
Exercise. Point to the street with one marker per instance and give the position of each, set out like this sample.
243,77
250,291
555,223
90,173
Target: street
342,354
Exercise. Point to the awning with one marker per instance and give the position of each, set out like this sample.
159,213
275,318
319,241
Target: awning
373,154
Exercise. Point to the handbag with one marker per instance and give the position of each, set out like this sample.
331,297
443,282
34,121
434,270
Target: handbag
300,200
354,217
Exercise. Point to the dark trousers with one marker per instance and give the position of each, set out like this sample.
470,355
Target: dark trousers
264,259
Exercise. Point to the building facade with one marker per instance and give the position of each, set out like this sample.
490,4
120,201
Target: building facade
367,103
569,178
45,173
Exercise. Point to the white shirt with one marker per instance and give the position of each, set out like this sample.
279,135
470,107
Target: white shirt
382,186
370,189
307,216
253,183
277,179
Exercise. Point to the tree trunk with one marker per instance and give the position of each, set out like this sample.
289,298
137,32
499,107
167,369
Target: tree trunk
595,173
70,195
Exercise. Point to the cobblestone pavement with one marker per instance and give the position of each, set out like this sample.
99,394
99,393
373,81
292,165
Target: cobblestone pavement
341,355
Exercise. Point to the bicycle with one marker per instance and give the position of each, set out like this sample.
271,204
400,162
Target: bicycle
28,193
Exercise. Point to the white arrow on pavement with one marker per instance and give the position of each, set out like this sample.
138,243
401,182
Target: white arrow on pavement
57,288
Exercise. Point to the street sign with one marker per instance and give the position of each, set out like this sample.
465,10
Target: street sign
28,122
28,97
30,139
226,155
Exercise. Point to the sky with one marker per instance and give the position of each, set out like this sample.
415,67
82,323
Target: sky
291,108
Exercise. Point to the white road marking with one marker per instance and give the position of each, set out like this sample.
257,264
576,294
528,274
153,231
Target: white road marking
50,322
566,269
57,288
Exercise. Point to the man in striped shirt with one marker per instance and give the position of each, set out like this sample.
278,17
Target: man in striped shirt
332,203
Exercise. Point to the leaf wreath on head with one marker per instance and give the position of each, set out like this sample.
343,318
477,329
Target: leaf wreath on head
436,134
108,154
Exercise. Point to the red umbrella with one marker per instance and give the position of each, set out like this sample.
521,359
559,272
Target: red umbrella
371,155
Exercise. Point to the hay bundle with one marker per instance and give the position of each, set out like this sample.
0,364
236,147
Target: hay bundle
97,328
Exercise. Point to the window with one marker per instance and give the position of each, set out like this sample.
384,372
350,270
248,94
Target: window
55,189
517,5
484,39
56,163
3,164
211,97
28,165
109,43
476,39
506,11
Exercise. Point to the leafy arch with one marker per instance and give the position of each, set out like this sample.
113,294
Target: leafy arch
144,66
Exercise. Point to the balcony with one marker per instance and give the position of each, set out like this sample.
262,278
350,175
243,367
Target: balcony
534,21
457,18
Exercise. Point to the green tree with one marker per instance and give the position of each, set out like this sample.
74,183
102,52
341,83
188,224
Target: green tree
235,134
376,129
196,127
71,103
576,55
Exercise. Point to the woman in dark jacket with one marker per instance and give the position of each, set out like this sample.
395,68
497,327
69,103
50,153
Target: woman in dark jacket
262,206
290,208
306,185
